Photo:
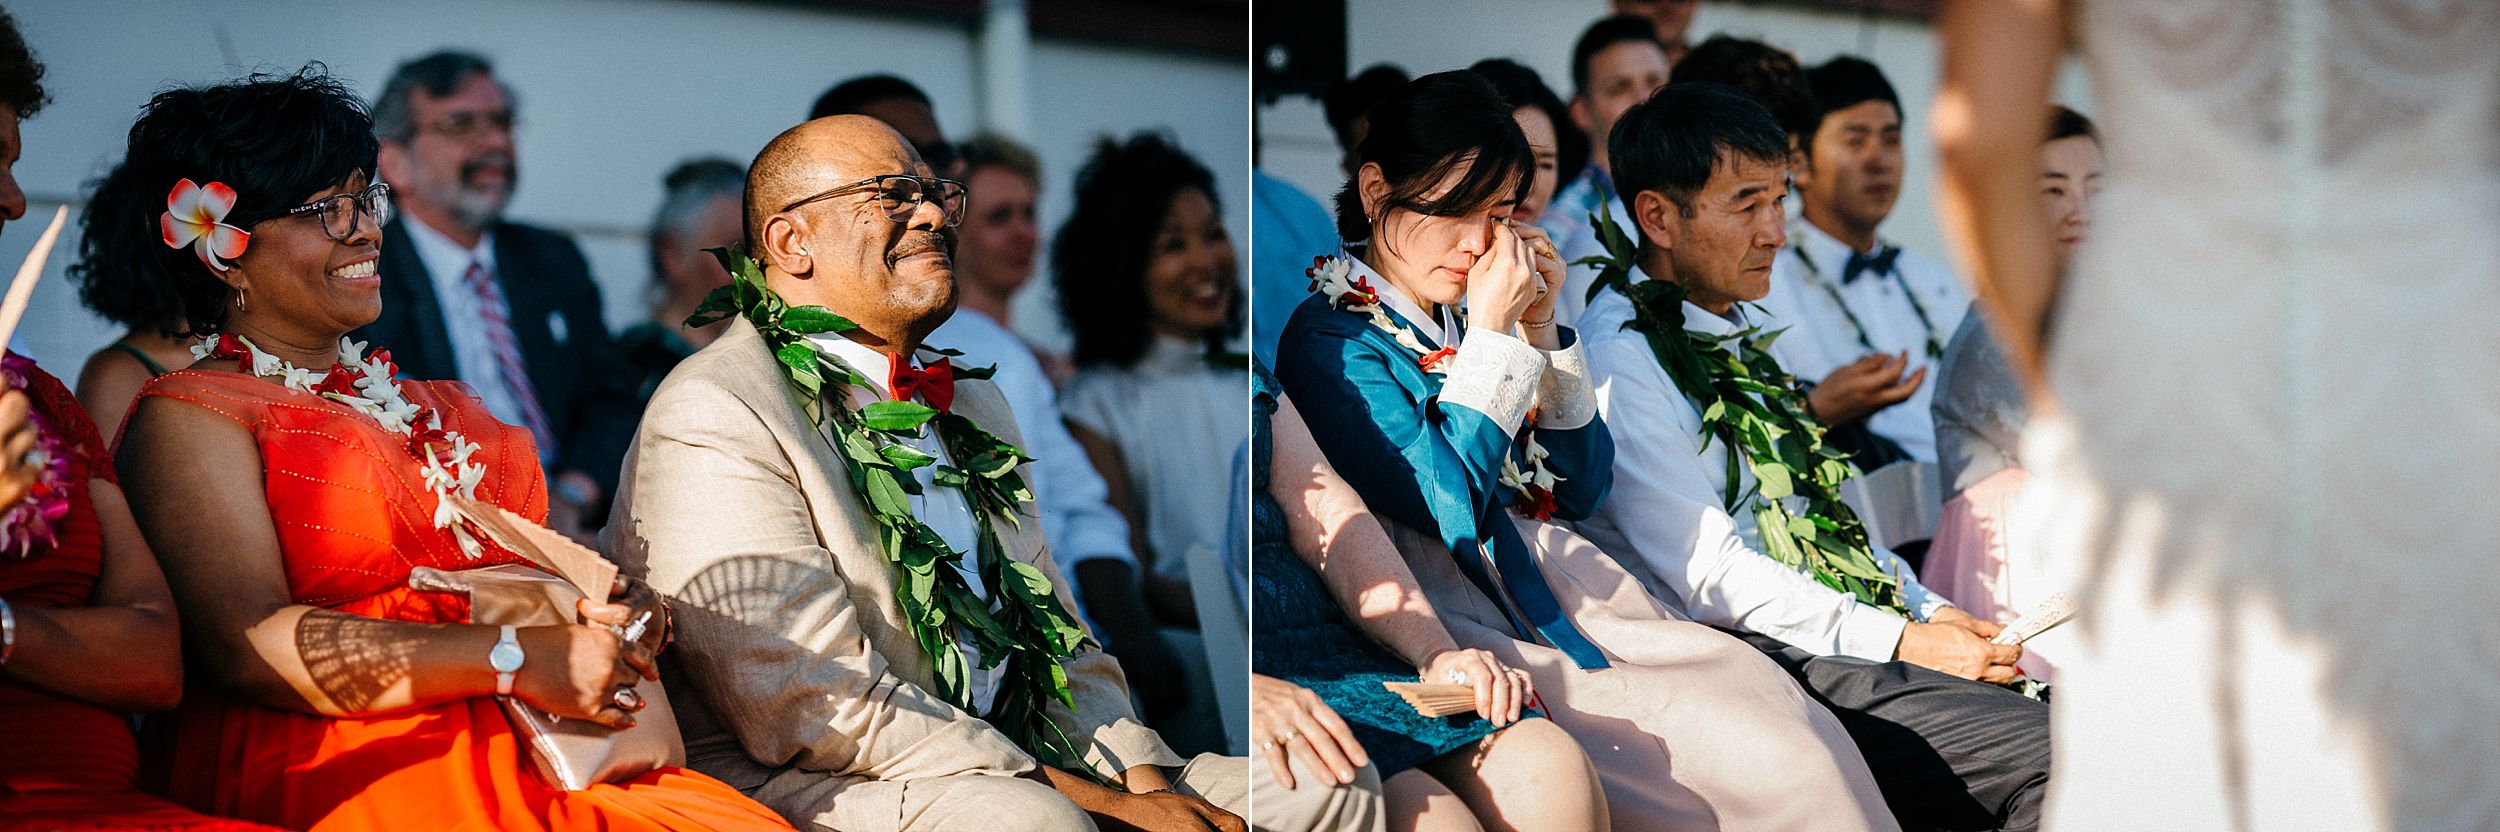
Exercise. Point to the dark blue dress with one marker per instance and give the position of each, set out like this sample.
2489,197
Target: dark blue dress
1302,637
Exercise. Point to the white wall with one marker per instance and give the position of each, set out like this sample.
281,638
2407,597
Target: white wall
612,93
1426,36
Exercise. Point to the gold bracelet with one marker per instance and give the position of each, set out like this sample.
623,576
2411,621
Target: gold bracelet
1549,321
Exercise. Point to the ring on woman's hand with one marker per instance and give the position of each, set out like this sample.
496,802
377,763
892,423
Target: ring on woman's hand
1287,737
1457,677
627,699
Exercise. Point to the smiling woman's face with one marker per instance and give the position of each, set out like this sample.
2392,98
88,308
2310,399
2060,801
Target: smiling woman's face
1190,269
295,278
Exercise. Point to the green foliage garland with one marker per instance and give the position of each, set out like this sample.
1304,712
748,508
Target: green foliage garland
1752,406
1022,623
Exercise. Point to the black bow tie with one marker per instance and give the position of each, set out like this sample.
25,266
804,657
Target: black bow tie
1879,263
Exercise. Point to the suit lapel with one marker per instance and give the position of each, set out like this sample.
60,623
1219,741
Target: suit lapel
409,303
843,525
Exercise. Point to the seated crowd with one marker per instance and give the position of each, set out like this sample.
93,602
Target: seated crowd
1597,442
289,516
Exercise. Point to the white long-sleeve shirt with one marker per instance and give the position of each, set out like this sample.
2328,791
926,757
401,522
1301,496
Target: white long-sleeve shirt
1665,518
1808,293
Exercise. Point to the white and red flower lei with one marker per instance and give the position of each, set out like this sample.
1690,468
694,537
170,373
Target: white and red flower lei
1333,276
364,383
34,523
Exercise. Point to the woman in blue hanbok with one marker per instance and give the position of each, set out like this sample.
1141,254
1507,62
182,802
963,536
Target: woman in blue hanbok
1468,437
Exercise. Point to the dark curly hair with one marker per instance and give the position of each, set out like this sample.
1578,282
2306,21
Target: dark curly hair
21,76
1098,259
275,139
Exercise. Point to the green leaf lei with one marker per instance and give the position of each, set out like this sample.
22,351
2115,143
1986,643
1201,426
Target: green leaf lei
1022,623
1755,408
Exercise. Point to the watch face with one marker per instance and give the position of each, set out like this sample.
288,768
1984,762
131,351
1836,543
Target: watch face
505,658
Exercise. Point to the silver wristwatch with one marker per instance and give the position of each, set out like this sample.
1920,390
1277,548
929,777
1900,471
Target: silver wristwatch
506,659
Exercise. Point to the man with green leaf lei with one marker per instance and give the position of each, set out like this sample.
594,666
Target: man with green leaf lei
872,626
1728,496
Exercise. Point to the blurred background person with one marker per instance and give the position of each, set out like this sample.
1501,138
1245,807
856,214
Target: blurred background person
1980,559
154,338
1147,280
699,210
1672,17
87,627
332,692
995,248
1547,121
901,105
1769,75
508,308
1346,101
1616,63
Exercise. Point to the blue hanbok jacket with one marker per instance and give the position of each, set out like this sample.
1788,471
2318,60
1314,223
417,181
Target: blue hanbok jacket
1434,465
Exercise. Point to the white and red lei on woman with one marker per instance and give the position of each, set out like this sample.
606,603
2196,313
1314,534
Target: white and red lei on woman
364,383
1334,277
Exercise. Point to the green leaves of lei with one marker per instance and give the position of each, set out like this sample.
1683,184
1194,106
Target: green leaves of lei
1022,623
1754,407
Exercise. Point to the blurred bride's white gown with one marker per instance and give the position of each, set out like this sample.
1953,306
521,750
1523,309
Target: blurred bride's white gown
2279,466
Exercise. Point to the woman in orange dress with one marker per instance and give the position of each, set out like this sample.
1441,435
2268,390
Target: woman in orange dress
291,486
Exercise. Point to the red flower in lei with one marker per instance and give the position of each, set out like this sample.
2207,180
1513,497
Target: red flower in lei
1434,358
1541,503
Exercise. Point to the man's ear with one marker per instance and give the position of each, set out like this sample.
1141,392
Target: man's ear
1580,115
392,162
785,246
1660,220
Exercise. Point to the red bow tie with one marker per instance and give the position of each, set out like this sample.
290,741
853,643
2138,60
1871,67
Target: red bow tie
935,383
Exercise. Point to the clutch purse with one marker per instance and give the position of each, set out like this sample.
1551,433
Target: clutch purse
571,754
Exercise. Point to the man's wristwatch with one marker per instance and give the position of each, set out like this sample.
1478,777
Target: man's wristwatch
506,659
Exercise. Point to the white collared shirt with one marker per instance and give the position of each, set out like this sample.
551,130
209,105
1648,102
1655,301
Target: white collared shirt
1802,290
944,510
1077,517
1666,518
472,354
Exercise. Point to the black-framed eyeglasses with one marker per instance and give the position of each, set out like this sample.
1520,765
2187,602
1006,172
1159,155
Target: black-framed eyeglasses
463,125
339,212
899,195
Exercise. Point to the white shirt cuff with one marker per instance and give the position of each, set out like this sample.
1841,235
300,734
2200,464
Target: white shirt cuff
1564,399
1496,375
1871,634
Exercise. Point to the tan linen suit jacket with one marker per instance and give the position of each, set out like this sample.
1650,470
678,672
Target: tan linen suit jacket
793,652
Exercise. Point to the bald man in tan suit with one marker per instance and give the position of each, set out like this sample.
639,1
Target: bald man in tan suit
796,676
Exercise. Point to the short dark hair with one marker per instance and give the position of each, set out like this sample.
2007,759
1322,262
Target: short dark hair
1098,259
1672,142
849,97
1622,28
21,75
439,73
1426,130
991,150
275,139
1348,99
1522,87
1771,76
1845,82
2066,124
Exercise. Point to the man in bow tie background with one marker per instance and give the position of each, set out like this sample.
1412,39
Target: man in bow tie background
800,679
1868,318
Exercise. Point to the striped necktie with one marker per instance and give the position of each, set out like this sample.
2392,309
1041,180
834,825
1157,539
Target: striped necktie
516,378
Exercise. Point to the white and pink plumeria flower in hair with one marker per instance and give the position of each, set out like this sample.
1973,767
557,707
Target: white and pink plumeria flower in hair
195,216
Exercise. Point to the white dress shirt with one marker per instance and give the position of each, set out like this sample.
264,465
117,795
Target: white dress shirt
1667,520
1077,517
472,354
944,510
1176,419
1806,291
